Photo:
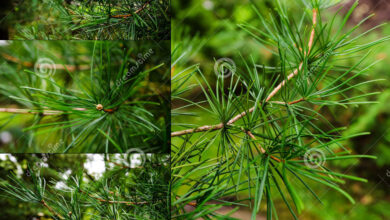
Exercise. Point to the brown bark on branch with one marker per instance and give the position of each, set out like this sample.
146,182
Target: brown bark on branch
290,103
70,68
51,210
43,112
262,150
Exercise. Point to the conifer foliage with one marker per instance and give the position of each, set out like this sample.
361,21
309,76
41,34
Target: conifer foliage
62,96
93,20
121,192
270,139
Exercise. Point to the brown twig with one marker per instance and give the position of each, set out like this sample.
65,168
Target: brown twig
110,110
290,103
272,94
51,210
260,147
70,68
277,88
199,129
44,112
129,15
312,34
193,204
48,112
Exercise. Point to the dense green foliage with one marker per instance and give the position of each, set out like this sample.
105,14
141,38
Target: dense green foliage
61,186
63,96
93,20
284,148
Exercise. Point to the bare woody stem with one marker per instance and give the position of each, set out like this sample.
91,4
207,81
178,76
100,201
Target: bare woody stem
43,112
51,210
46,112
289,103
70,68
313,31
272,94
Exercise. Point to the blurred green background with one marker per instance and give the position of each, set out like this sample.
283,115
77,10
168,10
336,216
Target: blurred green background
204,31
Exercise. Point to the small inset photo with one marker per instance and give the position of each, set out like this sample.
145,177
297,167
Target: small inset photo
84,186
84,96
85,20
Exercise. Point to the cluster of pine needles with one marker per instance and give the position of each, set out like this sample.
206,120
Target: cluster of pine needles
122,192
91,20
269,137
99,103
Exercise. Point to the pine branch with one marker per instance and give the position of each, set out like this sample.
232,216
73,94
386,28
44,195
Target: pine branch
289,103
108,97
30,111
51,209
243,159
45,112
272,94
112,194
249,133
